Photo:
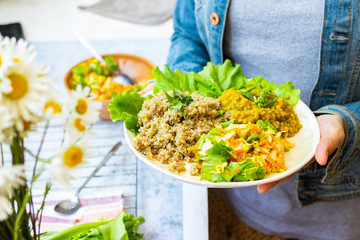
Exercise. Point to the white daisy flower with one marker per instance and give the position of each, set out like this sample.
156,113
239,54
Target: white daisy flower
5,124
13,51
5,208
30,91
55,108
11,178
63,167
84,107
61,173
76,128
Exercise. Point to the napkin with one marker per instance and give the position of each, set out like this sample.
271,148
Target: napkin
147,12
94,206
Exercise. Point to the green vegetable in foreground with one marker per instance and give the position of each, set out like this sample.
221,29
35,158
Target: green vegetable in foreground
123,227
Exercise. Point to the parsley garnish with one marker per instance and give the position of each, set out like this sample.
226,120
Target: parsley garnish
178,101
265,100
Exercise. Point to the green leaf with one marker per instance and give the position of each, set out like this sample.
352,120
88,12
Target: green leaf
111,63
226,124
249,95
126,106
123,227
265,125
212,168
210,82
224,76
249,171
79,70
168,80
286,91
254,137
178,102
221,112
220,149
215,132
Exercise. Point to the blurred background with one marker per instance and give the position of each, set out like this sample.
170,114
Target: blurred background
52,20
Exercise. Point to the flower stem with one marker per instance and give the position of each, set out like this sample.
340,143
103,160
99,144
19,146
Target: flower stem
39,150
2,155
21,195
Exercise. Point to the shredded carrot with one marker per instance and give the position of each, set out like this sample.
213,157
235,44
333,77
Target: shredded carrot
267,146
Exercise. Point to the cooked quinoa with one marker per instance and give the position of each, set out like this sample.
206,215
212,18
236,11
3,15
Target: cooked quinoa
281,114
166,136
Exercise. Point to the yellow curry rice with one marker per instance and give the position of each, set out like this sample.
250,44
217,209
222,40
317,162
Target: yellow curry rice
281,114
164,135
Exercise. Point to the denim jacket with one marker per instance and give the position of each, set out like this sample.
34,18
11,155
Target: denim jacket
198,38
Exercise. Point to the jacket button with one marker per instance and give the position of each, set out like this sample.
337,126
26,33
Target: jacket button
214,19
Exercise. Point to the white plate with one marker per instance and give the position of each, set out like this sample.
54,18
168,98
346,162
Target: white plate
306,141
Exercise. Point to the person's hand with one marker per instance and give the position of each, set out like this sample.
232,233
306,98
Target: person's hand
332,136
147,89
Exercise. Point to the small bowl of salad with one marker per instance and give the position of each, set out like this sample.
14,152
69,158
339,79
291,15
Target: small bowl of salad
91,72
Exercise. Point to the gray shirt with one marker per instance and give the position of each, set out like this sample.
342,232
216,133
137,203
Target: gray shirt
281,40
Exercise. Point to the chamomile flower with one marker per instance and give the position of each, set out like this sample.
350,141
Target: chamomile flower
5,124
11,178
54,108
30,91
84,108
13,51
71,155
61,173
5,208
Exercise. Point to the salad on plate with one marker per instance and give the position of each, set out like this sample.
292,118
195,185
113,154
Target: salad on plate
218,126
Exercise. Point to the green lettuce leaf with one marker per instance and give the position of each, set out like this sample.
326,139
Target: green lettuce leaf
220,149
168,80
224,76
123,227
126,106
213,167
214,79
249,171
210,82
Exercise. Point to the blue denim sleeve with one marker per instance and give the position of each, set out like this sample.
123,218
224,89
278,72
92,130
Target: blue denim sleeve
347,153
187,51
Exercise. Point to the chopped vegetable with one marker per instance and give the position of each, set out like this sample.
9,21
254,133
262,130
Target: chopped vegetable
241,152
98,77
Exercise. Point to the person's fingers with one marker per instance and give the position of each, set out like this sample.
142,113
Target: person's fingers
322,152
147,89
262,188
266,187
331,137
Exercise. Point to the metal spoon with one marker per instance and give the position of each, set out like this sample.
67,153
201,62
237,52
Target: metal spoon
72,204
118,76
